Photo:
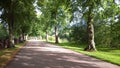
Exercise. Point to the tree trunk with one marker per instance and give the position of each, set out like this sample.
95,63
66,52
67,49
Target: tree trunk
26,37
46,36
90,30
20,38
10,24
23,37
56,35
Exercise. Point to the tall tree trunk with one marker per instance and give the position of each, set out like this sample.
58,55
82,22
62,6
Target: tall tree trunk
10,24
26,37
20,38
46,36
56,35
90,30
23,37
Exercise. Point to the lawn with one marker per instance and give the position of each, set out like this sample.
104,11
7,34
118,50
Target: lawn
111,55
7,54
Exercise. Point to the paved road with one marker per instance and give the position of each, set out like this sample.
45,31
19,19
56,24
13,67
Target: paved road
37,54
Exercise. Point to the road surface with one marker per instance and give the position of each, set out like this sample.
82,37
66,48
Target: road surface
38,54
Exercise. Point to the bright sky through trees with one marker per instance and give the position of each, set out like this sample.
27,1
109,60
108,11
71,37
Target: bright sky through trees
117,1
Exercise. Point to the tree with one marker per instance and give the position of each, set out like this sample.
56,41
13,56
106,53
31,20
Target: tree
87,9
90,28
16,14
8,16
99,13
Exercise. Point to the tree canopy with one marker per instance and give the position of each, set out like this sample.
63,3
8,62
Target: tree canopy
92,22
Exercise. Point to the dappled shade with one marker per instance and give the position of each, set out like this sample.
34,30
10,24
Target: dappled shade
45,55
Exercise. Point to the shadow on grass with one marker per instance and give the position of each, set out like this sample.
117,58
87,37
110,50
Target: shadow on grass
101,53
82,46
7,54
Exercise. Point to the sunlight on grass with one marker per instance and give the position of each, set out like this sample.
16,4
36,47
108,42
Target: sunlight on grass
107,54
7,54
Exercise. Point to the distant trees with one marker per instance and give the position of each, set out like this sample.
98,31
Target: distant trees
78,33
55,15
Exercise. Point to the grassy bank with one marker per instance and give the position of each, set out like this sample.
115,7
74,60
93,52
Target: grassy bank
111,55
7,54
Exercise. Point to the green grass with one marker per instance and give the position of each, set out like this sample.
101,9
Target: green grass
111,55
7,54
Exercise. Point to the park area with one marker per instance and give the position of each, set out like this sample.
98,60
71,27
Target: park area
60,34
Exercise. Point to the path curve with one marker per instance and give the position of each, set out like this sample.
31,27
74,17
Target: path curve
38,54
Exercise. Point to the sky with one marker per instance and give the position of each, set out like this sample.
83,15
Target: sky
36,8
117,1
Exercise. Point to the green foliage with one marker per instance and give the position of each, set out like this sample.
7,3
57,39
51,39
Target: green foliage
60,14
35,30
105,13
78,34
106,30
3,32
23,15
55,14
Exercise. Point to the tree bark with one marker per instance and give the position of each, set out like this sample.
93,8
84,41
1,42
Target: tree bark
26,37
90,30
23,37
10,25
20,38
56,35
46,36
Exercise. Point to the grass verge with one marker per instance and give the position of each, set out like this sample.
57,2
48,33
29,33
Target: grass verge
111,55
6,55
